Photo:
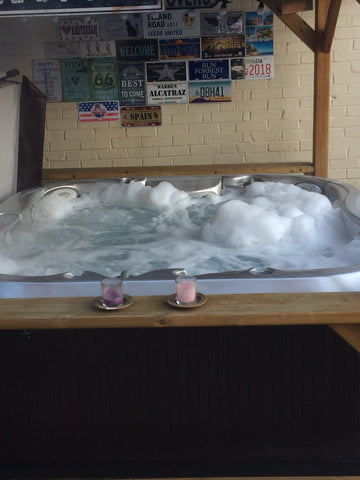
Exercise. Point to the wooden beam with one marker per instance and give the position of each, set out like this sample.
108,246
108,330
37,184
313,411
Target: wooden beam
330,26
321,93
295,23
349,333
59,174
295,6
260,309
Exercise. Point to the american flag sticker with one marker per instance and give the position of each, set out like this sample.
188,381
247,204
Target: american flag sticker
99,111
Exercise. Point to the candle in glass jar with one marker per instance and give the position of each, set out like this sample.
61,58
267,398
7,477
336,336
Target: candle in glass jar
112,291
186,290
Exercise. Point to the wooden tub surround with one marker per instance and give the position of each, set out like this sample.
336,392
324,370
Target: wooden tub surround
340,311
245,385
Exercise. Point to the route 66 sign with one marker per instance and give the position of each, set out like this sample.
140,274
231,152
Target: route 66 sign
103,78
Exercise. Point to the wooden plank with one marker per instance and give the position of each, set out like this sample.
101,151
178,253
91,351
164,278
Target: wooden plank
155,171
153,312
350,333
321,94
295,6
330,26
291,477
295,23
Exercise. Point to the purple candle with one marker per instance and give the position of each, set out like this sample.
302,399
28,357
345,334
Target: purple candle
112,291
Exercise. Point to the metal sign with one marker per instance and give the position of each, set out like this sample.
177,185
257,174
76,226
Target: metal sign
209,69
259,67
179,48
77,29
137,50
166,71
98,48
62,50
229,24
118,27
140,116
103,78
162,93
176,24
75,80
99,112
226,46
131,80
205,92
180,4
71,7
47,77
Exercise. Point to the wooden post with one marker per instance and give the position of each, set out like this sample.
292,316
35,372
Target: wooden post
321,92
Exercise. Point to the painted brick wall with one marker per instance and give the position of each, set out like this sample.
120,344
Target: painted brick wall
267,120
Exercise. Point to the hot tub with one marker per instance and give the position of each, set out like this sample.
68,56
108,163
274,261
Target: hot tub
23,210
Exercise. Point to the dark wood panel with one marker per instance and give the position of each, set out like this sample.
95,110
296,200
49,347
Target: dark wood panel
190,396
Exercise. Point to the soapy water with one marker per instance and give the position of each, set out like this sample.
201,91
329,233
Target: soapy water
141,228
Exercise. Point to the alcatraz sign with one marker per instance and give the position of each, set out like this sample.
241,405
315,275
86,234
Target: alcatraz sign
66,7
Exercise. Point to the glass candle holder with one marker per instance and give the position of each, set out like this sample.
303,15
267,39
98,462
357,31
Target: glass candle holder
186,290
112,291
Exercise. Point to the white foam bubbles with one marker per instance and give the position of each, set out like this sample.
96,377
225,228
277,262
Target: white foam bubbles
162,197
277,216
141,228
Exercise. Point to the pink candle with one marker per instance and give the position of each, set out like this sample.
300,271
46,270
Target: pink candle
186,289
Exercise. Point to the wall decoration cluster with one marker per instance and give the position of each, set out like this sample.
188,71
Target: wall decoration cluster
151,59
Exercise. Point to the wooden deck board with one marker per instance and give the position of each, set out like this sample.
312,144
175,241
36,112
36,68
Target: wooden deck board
59,174
153,311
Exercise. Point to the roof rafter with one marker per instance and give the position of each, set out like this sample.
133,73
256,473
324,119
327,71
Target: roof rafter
296,24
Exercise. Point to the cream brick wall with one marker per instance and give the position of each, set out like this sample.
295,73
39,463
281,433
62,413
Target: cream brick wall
266,121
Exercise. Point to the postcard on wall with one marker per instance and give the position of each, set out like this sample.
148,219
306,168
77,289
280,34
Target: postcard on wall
131,80
137,50
103,78
167,92
229,24
62,50
209,69
98,48
172,24
75,81
77,29
213,91
259,67
259,48
117,27
226,46
179,48
253,19
140,116
238,69
165,71
47,77
99,112
259,34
